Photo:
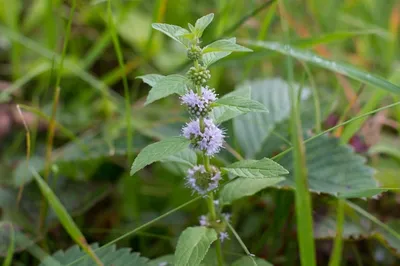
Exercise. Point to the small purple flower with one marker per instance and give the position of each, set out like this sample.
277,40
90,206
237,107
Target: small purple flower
210,140
199,105
201,181
223,236
226,216
208,94
204,221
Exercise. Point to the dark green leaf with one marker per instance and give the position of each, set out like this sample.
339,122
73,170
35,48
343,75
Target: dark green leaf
241,104
193,245
224,113
251,261
332,168
109,255
242,187
159,151
166,86
264,168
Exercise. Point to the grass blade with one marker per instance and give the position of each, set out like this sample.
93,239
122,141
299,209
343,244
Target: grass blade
337,67
303,204
118,51
10,252
65,219
373,219
336,256
52,123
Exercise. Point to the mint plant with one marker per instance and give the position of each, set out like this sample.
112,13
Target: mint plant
204,135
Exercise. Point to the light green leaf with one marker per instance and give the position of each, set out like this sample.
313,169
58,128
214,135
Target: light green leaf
167,86
151,79
186,157
109,255
332,168
251,261
202,23
253,129
159,151
168,260
241,104
173,31
337,67
242,187
225,46
212,57
224,113
264,168
193,245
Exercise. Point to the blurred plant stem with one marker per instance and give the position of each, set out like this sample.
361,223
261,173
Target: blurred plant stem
213,214
52,123
302,195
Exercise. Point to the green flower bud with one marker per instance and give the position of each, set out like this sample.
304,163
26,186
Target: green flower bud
194,53
199,75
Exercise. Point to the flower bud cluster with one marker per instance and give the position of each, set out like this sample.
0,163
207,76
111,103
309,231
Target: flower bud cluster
201,181
199,75
194,53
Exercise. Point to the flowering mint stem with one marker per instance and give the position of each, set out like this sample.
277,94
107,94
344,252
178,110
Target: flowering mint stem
213,216
207,162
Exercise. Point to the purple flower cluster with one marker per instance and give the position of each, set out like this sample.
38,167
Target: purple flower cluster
209,140
199,105
202,181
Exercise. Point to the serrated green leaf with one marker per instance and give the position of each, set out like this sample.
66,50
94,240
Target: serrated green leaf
109,255
332,168
264,168
193,245
223,113
151,79
253,129
202,23
242,187
212,57
225,46
166,86
173,31
186,157
241,104
159,151
337,67
251,261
